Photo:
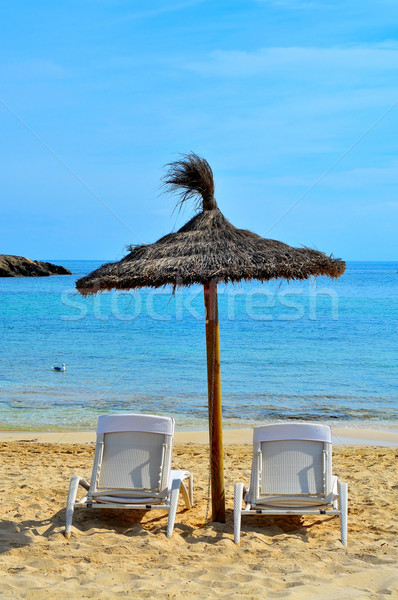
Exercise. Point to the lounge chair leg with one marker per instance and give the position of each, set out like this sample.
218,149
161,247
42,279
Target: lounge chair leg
70,503
73,487
343,505
191,489
175,491
238,497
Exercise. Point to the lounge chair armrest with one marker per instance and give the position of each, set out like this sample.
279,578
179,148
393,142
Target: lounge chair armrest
239,493
187,490
244,489
84,483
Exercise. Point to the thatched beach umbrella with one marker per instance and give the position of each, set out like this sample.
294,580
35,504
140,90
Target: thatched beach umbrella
207,250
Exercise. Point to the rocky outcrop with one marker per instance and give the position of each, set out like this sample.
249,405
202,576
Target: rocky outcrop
19,266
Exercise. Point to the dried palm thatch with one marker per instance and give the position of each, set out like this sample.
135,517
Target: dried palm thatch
206,248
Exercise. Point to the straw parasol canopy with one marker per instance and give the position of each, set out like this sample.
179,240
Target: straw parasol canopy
208,247
206,250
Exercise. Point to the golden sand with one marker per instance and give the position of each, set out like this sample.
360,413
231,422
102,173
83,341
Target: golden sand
125,554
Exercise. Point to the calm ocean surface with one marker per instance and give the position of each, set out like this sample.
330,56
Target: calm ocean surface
324,350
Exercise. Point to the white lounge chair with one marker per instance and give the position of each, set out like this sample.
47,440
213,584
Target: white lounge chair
132,469
292,475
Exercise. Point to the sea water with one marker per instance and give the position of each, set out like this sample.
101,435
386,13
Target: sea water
319,350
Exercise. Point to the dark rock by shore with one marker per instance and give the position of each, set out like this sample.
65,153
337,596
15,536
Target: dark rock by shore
19,266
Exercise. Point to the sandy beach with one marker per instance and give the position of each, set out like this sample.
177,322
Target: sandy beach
126,554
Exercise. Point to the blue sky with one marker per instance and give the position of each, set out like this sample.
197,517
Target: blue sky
272,93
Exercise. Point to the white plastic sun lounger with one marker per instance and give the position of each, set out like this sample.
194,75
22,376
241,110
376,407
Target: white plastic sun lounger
292,475
132,469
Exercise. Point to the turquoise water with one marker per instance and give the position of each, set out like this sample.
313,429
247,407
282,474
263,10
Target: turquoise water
323,350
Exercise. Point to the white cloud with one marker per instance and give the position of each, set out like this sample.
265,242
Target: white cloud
365,177
290,4
154,10
34,69
300,62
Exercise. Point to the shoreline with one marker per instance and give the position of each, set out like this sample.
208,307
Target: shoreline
341,437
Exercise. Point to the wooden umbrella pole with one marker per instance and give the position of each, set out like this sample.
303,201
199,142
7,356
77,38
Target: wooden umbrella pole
214,398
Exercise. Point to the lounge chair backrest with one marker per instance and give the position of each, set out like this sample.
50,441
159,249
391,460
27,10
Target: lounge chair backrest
133,452
291,459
